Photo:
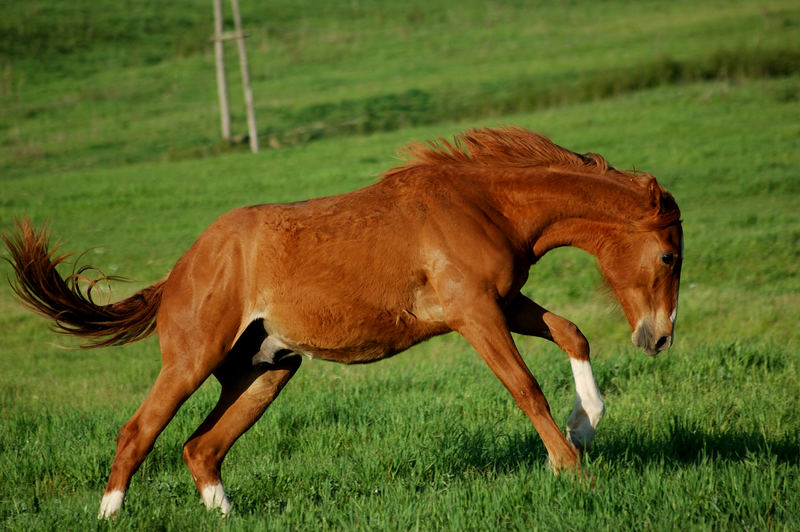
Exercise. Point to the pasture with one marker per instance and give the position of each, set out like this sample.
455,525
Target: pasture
108,130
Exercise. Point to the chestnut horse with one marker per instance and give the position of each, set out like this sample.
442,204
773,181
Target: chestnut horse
443,243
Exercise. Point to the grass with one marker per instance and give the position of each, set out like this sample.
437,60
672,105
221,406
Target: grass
101,84
704,436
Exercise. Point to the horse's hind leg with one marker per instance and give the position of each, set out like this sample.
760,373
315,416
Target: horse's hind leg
190,351
247,391
136,438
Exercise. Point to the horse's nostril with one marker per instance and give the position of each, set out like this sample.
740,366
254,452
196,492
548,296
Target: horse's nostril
661,343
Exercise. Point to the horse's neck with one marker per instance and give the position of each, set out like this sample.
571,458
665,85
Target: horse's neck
555,209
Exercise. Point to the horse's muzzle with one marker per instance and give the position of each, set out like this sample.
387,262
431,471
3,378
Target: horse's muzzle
651,341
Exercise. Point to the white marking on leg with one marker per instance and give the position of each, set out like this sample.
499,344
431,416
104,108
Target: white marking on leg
111,503
214,497
589,406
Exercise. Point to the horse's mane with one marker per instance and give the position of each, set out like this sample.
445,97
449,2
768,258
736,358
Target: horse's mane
519,147
508,146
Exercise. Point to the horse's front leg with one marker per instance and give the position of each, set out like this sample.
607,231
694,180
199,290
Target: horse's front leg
482,323
526,317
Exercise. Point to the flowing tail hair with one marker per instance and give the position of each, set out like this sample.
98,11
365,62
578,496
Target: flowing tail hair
44,291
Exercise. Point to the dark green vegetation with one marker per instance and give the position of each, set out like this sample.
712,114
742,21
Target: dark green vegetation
135,83
108,129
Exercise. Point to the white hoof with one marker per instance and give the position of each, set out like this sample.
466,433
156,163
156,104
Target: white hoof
580,431
214,497
589,407
111,503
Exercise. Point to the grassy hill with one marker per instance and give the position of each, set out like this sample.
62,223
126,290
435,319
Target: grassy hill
104,83
109,130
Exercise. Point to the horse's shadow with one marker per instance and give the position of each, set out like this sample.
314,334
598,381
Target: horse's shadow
683,443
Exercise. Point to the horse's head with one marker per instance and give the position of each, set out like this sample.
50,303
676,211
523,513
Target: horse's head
642,264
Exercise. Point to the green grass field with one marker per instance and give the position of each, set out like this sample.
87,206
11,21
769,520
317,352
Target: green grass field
108,130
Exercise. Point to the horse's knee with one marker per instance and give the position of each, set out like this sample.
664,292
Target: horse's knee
572,341
530,399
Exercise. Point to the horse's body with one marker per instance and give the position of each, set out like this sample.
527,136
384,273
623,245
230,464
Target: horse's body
441,244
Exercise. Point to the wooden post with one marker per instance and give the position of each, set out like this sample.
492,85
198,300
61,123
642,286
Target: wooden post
248,94
222,84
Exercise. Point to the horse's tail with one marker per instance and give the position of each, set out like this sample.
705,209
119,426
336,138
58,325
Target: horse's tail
44,291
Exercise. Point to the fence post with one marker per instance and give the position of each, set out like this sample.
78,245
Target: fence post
222,84
248,94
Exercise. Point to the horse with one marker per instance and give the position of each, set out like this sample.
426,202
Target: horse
442,243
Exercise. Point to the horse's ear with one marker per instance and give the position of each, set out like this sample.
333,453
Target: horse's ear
656,197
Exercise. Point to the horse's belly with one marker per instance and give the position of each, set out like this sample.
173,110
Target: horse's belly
350,337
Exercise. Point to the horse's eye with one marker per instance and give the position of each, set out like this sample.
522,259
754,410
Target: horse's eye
668,258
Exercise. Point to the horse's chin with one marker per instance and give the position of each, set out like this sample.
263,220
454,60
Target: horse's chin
649,351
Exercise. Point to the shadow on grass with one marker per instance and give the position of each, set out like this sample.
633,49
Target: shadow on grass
683,443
